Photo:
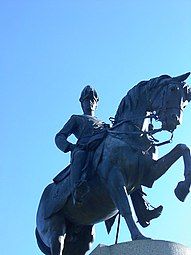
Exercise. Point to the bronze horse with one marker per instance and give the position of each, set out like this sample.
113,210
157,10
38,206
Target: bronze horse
126,161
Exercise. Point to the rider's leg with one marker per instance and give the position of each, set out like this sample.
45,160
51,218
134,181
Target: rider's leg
78,163
143,214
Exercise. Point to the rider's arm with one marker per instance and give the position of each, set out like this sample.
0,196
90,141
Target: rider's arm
64,133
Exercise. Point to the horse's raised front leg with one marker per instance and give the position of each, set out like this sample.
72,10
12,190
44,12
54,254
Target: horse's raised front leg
163,164
116,186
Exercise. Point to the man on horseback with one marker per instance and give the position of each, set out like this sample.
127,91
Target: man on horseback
90,132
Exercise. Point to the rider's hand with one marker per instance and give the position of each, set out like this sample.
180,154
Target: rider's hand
72,147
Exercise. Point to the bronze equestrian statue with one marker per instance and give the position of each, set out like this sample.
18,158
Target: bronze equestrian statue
113,164
90,132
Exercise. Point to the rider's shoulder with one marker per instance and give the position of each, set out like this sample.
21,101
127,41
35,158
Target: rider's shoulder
79,119
76,117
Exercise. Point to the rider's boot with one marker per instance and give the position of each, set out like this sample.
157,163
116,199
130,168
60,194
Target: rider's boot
80,193
143,214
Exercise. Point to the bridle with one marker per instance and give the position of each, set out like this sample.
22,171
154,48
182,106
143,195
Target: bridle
150,133
152,116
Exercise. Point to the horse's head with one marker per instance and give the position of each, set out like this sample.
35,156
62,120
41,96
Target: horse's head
172,97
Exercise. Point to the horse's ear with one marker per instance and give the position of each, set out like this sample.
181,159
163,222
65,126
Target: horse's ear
182,77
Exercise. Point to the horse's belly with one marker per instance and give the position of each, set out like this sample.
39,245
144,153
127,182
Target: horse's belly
97,207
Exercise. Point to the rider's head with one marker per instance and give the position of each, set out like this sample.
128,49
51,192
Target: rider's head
89,99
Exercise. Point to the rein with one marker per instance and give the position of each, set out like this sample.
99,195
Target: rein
140,132
152,116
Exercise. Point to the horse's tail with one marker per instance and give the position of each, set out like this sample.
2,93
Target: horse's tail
45,249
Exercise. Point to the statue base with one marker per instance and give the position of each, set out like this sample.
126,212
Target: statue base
143,247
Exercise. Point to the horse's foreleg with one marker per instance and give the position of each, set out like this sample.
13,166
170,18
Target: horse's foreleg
163,164
119,196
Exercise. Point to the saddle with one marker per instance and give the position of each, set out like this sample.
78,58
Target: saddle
62,175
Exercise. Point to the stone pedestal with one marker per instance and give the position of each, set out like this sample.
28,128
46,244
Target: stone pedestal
143,247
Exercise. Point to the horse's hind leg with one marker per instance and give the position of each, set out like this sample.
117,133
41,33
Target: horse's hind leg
116,186
78,239
163,164
45,249
57,245
58,227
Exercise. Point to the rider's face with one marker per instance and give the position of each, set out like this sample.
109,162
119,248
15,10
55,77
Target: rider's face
89,106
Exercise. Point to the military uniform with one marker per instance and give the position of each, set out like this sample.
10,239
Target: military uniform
89,132
83,127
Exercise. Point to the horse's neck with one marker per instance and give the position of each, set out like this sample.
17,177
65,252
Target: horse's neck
132,129
135,122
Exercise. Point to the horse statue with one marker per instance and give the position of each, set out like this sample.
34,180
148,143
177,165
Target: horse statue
126,161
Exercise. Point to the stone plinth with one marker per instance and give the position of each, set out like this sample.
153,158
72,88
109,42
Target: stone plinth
143,247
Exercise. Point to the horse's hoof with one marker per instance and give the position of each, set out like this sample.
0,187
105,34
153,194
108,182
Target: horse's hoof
181,191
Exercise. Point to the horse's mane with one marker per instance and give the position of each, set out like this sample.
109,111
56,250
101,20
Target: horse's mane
130,101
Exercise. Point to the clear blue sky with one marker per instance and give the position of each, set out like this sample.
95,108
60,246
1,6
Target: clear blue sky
49,50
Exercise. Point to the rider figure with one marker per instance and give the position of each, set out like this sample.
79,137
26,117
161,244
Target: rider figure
84,127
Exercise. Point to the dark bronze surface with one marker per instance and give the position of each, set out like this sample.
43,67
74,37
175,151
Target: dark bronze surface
110,165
